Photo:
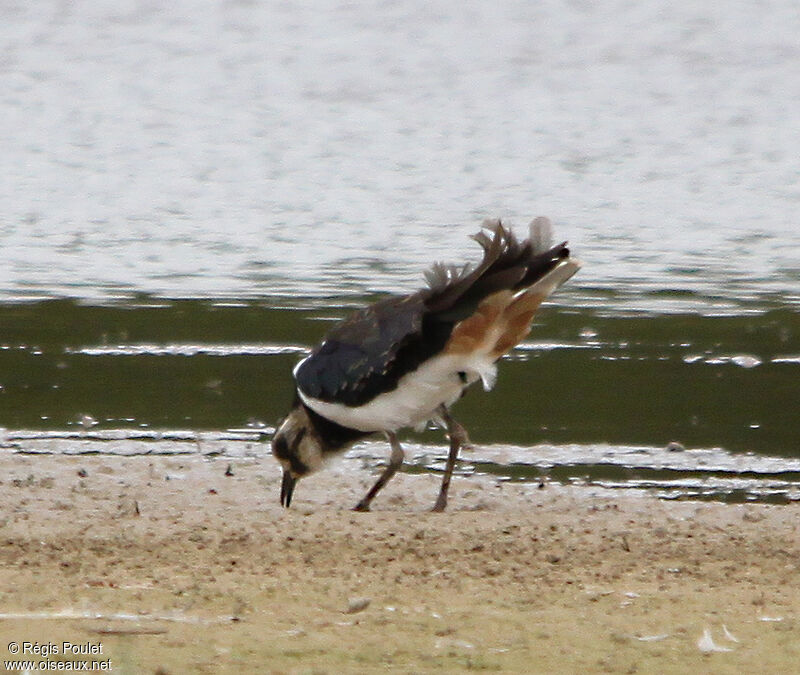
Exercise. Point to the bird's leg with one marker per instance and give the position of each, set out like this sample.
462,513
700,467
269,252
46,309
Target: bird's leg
458,439
395,462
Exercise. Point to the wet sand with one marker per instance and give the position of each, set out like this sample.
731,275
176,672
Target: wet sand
171,566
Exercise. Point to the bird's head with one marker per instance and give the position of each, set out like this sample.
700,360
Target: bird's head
298,448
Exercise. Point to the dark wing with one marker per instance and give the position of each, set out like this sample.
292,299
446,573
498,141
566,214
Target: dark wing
369,352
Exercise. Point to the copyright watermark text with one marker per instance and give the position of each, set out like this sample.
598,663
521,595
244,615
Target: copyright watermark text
56,656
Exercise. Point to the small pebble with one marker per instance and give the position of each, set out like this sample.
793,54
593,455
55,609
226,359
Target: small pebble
356,605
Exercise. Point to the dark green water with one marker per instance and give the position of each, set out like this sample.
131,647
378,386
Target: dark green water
583,380
706,381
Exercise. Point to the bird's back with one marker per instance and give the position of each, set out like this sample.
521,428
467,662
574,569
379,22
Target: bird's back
482,311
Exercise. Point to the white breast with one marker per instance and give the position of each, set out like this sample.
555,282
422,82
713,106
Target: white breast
416,398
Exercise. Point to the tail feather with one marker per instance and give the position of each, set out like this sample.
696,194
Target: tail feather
556,277
493,305
515,328
507,264
525,302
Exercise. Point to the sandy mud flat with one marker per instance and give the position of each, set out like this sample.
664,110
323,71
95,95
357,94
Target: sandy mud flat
168,565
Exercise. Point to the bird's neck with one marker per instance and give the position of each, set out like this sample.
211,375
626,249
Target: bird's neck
334,436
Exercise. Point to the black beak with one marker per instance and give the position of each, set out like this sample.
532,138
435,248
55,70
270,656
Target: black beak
287,488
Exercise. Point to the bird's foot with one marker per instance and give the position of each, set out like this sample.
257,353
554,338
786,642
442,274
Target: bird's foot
361,506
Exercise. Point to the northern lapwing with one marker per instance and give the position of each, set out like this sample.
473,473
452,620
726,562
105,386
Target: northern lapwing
404,361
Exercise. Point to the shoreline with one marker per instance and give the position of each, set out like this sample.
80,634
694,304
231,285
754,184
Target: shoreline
171,564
